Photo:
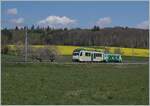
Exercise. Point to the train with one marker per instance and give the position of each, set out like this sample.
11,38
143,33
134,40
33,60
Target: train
84,55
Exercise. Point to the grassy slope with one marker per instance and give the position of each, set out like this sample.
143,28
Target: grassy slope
74,84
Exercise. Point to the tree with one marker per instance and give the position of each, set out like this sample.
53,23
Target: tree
38,27
25,27
4,50
16,28
32,28
19,49
96,28
42,54
65,29
6,36
48,28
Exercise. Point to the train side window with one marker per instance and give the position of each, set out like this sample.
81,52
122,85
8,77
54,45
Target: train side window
87,54
98,55
118,57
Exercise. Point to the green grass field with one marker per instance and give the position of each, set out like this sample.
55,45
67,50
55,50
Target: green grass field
68,58
74,84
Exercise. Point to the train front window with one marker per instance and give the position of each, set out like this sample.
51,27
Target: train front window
81,54
75,54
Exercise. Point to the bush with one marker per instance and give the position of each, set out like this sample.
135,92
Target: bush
4,50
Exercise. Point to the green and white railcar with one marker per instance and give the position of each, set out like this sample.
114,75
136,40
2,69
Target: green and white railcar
112,58
83,55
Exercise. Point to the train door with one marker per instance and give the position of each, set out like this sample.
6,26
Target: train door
92,56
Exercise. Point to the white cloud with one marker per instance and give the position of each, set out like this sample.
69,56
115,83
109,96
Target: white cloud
56,21
17,21
12,11
143,25
102,22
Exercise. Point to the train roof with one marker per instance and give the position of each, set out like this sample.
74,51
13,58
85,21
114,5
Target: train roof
85,49
113,54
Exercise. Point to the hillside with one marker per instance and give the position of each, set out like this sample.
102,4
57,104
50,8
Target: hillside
117,36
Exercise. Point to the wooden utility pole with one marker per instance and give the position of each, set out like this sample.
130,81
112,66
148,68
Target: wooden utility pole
26,44
132,53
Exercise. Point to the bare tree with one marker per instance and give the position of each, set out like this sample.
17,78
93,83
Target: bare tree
42,54
19,49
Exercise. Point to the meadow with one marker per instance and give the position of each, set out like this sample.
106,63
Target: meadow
65,83
68,59
73,84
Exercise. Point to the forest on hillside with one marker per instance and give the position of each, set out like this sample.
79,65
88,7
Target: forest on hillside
116,36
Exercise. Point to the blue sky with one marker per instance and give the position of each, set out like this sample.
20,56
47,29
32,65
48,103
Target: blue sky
75,14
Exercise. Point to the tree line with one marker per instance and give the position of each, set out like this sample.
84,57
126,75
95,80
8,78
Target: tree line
115,36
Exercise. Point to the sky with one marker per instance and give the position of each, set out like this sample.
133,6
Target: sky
81,14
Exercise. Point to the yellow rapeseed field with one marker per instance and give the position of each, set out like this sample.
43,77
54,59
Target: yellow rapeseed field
130,51
67,50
